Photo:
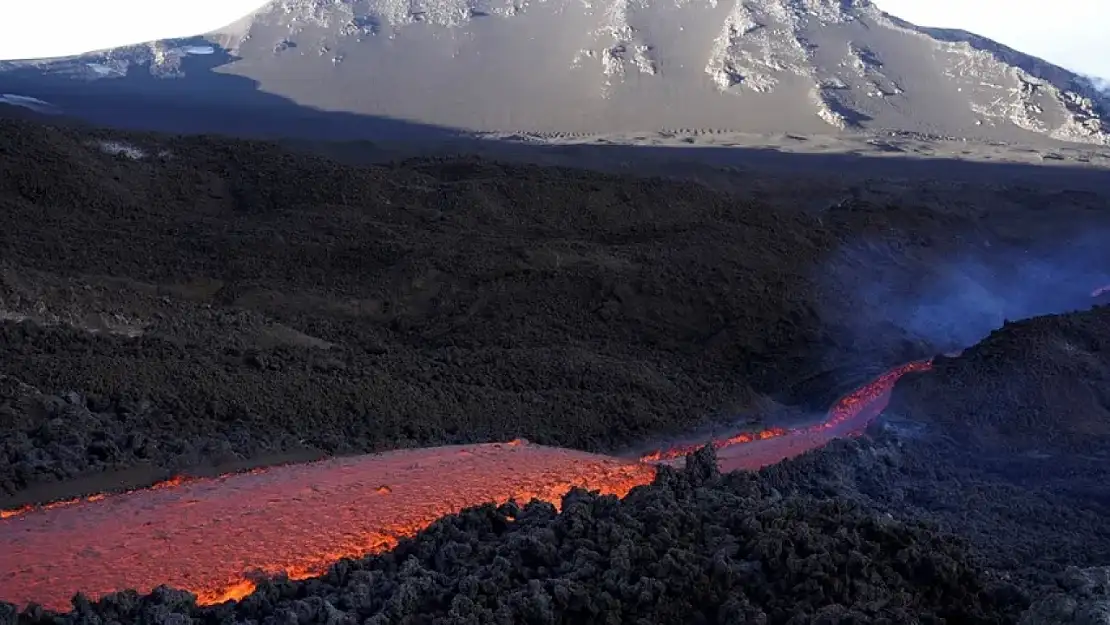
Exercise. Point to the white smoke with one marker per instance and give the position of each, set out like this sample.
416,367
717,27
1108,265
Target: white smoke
1099,83
955,304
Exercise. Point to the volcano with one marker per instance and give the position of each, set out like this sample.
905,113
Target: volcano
568,69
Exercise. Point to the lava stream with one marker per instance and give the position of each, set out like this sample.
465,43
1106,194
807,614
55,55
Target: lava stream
848,417
213,536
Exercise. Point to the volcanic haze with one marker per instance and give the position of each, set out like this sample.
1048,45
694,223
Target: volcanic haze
587,67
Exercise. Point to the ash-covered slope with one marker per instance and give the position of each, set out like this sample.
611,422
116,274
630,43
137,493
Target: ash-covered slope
584,66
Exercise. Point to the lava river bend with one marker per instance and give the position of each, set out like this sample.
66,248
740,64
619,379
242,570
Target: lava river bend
213,536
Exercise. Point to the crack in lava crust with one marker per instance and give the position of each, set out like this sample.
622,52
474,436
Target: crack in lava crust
213,536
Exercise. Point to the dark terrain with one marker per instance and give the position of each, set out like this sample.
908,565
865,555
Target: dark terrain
1005,446
1021,421
693,548
220,303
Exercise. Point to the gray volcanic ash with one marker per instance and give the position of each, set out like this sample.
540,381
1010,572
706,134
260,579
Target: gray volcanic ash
564,68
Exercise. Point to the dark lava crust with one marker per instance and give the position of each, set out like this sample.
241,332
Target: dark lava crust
1005,445
1018,428
220,302
225,303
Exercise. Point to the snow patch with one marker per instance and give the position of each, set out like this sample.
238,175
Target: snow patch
27,102
824,103
619,47
162,59
119,148
1023,101
867,66
108,70
752,51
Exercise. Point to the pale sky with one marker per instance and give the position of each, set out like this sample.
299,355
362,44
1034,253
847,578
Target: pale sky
46,28
1071,33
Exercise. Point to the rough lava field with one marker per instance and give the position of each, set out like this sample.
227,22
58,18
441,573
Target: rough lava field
829,344
177,308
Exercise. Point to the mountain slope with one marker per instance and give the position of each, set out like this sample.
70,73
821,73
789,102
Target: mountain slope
602,66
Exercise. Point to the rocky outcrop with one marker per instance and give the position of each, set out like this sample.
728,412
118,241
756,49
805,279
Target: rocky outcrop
1084,599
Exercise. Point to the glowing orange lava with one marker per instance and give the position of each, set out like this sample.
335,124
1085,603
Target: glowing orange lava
848,417
213,536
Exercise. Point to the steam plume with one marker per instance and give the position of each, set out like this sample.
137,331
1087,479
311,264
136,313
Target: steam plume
1102,85
954,303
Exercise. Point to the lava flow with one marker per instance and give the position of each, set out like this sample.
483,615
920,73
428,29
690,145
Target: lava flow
848,417
213,536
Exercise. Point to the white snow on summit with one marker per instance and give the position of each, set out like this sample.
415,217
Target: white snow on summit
578,67
27,102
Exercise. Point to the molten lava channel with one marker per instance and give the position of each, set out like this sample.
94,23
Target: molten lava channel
848,417
213,536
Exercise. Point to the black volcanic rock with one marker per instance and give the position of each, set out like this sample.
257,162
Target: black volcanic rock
701,465
1038,385
1084,598
235,302
1004,445
727,552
